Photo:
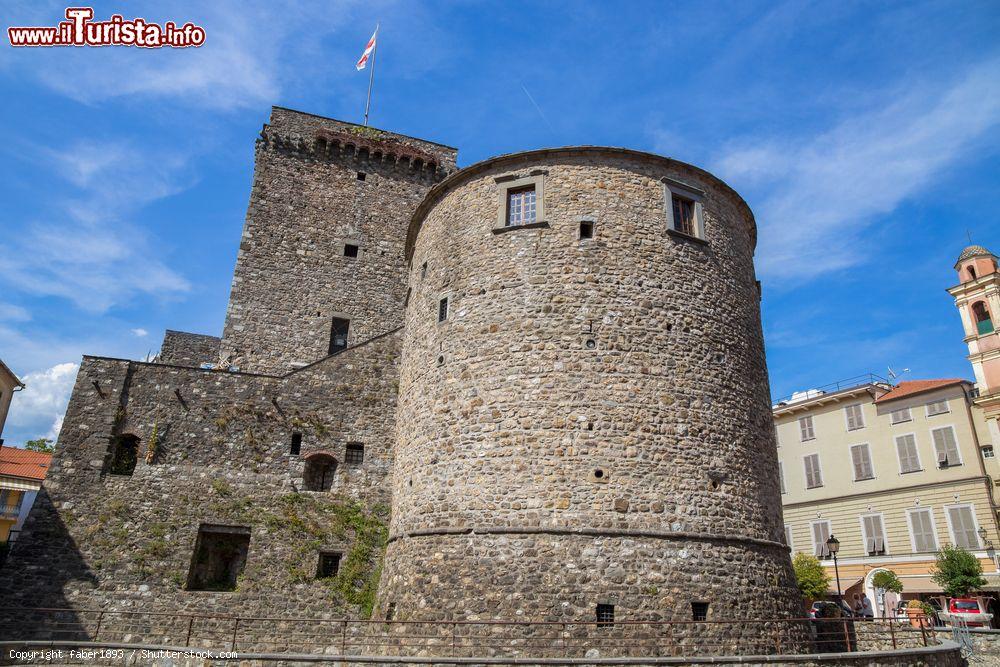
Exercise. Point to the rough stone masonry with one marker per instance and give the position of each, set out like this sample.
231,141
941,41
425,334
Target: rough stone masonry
419,411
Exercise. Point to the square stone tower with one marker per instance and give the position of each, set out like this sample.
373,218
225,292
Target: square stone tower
321,264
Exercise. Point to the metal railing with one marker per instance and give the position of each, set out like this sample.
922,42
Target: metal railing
10,511
469,639
834,387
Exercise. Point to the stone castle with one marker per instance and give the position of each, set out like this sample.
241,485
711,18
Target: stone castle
532,388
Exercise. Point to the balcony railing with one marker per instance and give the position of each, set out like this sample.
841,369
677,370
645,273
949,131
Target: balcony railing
10,511
834,387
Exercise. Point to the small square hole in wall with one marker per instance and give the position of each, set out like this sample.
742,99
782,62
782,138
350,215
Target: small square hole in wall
699,611
605,615
329,564
355,453
350,250
362,175
296,444
586,229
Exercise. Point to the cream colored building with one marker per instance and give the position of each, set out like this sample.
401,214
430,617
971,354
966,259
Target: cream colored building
897,471
894,472
8,385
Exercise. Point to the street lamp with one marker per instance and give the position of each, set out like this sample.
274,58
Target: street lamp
833,546
982,538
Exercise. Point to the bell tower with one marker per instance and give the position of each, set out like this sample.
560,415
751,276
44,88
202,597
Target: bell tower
977,297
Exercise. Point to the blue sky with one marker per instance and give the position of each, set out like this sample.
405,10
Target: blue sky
863,135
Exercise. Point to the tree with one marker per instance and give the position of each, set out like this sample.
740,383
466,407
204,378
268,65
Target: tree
40,445
887,580
958,572
811,577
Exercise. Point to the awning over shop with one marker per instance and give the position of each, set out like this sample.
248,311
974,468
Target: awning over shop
845,585
919,585
927,585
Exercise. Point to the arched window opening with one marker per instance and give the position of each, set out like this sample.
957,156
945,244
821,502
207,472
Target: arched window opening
319,472
972,273
124,454
984,324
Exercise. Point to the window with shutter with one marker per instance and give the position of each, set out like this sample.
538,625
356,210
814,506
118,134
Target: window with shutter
788,535
945,446
855,417
821,533
922,530
874,534
906,450
963,527
862,459
901,415
806,428
814,477
781,476
937,408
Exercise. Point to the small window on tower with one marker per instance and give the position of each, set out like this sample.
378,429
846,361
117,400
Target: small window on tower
329,564
605,615
350,250
296,444
338,334
684,216
984,323
355,453
586,229
521,207
699,611
362,175
443,309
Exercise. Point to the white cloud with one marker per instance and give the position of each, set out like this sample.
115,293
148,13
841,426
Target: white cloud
42,402
141,333
12,313
822,192
85,249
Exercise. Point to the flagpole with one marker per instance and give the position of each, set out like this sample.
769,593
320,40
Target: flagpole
371,77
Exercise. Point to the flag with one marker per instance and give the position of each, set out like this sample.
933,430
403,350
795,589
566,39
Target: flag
363,60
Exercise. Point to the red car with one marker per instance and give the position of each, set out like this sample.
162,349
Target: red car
963,607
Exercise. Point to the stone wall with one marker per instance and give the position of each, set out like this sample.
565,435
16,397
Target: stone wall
292,276
607,396
985,646
187,349
214,448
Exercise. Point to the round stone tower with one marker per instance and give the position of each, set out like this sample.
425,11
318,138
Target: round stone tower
584,413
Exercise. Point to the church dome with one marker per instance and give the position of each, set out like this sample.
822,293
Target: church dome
973,251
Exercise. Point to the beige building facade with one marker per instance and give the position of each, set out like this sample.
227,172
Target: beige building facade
894,472
8,385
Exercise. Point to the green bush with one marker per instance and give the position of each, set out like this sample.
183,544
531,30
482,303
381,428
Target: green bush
958,572
887,580
812,579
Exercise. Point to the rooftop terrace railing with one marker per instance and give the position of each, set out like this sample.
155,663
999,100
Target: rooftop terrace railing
834,387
